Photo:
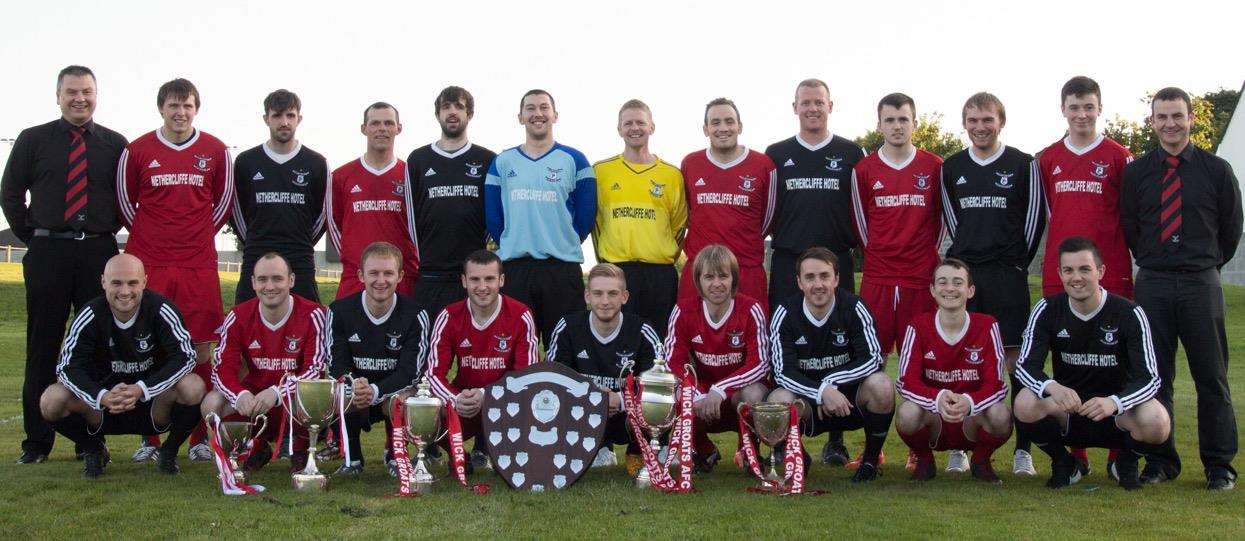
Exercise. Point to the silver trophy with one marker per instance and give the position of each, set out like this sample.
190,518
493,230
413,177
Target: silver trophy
423,427
657,401
234,436
315,407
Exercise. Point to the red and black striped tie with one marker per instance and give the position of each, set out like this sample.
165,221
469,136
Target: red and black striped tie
75,189
1170,220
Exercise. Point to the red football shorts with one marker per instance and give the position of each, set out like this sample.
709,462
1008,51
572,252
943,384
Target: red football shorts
952,437
752,282
195,293
892,308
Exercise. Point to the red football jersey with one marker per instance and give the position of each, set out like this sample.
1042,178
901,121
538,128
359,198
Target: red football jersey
174,198
1082,192
898,215
932,361
726,356
730,204
369,205
484,352
297,346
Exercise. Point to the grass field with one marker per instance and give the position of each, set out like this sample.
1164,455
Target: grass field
132,501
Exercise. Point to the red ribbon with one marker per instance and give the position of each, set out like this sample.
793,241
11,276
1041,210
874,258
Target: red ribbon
228,483
397,419
680,447
793,461
455,428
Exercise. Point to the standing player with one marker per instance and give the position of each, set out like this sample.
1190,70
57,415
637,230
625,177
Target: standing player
447,179
488,334
280,205
951,379
1102,389
125,369
263,341
827,354
175,191
730,199
380,338
993,212
721,337
605,345
641,213
898,218
540,200
369,200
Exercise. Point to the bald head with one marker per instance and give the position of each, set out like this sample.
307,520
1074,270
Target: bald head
124,280
124,264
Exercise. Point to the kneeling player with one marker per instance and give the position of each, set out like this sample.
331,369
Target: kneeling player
951,379
826,353
721,335
488,334
605,344
266,345
1105,376
380,338
125,368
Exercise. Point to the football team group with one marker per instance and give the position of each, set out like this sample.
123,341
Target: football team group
150,351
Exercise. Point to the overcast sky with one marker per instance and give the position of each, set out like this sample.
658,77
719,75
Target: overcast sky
341,56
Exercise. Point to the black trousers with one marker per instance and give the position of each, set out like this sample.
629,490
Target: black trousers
304,278
1190,307
434,290
551,288
782,271
654,290
59,273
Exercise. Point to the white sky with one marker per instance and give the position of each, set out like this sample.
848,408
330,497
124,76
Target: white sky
339,57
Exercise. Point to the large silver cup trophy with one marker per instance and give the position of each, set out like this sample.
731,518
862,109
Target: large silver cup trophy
771,421
657,401
315,407
423,427
234,436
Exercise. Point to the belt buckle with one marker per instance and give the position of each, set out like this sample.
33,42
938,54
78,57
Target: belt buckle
80,236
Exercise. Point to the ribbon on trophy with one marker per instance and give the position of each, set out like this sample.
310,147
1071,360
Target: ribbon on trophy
228,484
455,428
346,382
793,456
397,438
679,448
287,403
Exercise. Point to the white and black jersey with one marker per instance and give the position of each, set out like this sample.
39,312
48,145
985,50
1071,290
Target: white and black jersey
448,203
388,350
810,354
280,201
605,360
992,207
814,201
152,349
1107,353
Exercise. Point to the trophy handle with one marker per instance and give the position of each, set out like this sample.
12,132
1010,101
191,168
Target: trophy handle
747,419
263,424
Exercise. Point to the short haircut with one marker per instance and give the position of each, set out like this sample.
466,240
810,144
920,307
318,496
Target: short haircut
982,101
454,94
275,255
954,263
722,101
820,254
282,100
1080,86
483,257
813,83
635,104
716,257
381,249
382,105
178,89
607,270
1076,244
538,92
896,100
1172,93
73,70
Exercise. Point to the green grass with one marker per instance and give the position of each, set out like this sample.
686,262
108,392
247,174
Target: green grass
132,501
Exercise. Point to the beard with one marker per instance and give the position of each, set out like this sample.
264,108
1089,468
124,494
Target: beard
453,132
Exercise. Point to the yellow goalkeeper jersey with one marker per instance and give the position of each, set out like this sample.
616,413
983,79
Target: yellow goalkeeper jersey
641,211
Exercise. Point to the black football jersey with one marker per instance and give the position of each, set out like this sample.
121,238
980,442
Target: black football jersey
388,350
992,208
814,202
280,201
809,354
448,203
605,360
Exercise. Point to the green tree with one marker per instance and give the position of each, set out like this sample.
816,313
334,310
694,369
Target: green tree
928,137
1211,114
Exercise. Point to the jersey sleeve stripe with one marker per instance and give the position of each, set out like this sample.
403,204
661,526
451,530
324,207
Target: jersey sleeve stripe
776,347
335,234
434,357
871,334
123,192
422,358
1026,346
649,333
1035,205
226,197
1151,363
551,351
670,327
533,342
183,343
948,211
905,354
409,201
217,384
80,323
771,201
862,228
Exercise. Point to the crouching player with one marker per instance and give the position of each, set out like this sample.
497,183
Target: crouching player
951,379
723,337
605,345
380,338
1104,374
125,368
826,354
266,344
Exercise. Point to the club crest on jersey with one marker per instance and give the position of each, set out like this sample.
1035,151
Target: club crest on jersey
399,188
553,175
655,189
1005,179
922,181
143,343
840,338
503,343
202,162
393,344
737,339
747,183
1109,335
300,177
974,355
291,343
624,358
473,169
1100,170
832,163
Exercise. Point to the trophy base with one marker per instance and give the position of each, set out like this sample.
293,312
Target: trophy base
239,477
307,482
421,486
642,480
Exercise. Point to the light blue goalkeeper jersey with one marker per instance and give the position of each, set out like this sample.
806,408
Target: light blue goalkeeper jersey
540,207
